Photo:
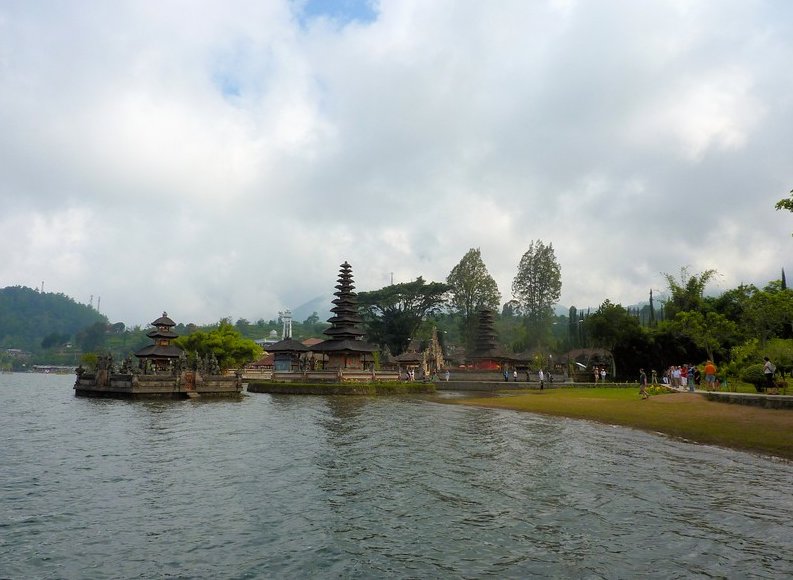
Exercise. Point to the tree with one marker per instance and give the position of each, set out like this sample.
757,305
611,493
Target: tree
228,345
610,325
710,331
393,314
537,287
92,337
54,339
688,293
769,312
785,203
471,288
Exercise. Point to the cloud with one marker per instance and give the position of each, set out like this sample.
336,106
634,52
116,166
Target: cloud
223,161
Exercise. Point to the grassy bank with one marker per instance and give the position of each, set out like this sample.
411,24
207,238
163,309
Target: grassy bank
685,415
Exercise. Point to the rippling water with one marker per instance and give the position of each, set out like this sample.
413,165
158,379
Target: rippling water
287,487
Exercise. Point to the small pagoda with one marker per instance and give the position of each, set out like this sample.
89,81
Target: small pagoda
162,353
345,347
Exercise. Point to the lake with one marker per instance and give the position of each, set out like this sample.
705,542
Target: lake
405,487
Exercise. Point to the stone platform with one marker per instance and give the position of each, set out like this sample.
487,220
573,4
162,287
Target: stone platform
133,386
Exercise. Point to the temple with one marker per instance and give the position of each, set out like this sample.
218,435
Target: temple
162,371
345,348
487,354
162,353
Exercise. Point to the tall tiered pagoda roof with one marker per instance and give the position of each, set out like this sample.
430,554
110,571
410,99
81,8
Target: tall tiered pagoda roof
345,332
487,346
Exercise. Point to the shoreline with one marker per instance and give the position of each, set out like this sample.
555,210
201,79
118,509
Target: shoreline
686,416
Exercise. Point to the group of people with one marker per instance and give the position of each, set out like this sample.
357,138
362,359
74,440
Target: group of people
682,377
687,375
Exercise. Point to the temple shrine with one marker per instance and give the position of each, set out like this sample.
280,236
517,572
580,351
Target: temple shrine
162,353
162,371
345,349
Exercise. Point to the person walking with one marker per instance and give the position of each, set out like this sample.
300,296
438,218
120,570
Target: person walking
541,377
643,384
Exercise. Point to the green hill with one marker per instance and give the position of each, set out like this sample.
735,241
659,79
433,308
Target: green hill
32,321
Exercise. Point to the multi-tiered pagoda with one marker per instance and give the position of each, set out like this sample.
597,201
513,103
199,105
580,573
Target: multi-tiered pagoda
162,352
487,355
345,348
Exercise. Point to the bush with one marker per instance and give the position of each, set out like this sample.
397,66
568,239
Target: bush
753,374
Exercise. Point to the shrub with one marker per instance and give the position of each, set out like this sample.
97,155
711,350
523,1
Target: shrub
753,374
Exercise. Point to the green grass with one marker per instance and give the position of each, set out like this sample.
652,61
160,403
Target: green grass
685,415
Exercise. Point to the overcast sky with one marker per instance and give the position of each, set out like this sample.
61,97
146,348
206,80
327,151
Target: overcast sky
219,159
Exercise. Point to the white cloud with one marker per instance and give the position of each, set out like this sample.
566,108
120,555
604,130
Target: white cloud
224,161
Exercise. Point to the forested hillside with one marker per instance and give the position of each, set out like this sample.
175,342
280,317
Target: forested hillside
31,320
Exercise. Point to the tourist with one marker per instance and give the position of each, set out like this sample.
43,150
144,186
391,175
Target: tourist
675,377
654,374
684,376
768,370
710,375
643,384
541,378
603,375
515,375
692,375
446,375
596,373
506,376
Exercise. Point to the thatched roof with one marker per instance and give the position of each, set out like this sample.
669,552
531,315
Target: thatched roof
287,345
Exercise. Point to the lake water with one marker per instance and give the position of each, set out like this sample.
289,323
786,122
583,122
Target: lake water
334,487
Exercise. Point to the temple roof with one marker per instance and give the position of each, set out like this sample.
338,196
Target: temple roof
346,345
287,345
157,351
164,321
157,333
344,330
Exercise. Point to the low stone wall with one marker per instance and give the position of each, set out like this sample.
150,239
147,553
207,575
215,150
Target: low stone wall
332,376
277,388
756,400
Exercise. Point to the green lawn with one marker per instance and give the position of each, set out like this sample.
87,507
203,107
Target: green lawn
685,415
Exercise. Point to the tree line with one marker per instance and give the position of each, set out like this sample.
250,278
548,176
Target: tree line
688,326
